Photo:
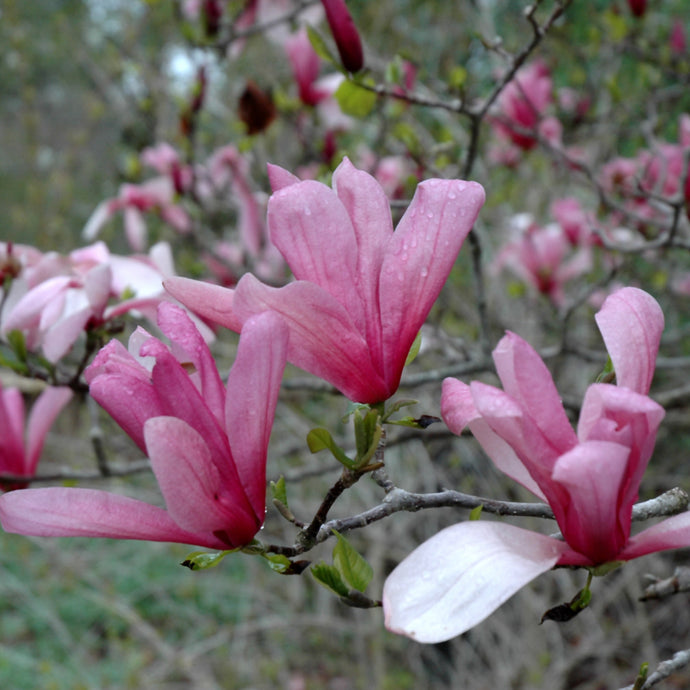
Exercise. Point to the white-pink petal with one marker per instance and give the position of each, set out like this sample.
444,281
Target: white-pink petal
461,575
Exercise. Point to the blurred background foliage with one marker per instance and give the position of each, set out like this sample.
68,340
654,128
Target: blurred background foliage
85,87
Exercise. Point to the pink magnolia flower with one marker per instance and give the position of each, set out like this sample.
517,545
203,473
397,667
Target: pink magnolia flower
156,195
543,257
207,445
522,105
589,478
362,291
54,301
345,34
21,440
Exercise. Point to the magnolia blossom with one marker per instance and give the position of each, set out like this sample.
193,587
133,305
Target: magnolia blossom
543,257
55,299
522,104
362,291
156,195
21,440
589,478
207,445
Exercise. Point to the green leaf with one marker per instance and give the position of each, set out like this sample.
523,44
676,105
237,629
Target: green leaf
414,350
353,567
405,133
318,439
329,577
368,433
457,77
202,560
278,491
352,407
608,374
475,513
321,47
18,344
355,100
398,405
277,562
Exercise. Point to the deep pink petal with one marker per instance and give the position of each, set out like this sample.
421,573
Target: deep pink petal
211,302
345,34
510,422
421,254
253,386
461,575
197,497
616,414
526,378
12,415
594,474
631,323
312,230
323,338
58,512
43,413
671,533
188,345
369,211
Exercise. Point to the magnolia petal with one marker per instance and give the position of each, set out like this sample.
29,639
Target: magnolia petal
279,177
312,230
253,386
12,415
671,533
195,495
420,256
129,400
59,512
188,345
458,411
60,337
43,413
631,323
369,211
461,575
526,378
211,302
617,414
323,338
594,473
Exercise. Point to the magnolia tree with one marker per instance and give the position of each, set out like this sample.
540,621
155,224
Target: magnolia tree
402,230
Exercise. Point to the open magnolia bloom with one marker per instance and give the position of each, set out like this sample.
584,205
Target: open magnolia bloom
207,445
362,291
589,478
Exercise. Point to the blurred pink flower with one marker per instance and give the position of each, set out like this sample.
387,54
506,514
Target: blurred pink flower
589,478
542,257
305,65
522,105
207,445
57,298
156,195
21,440
678,40
362,291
